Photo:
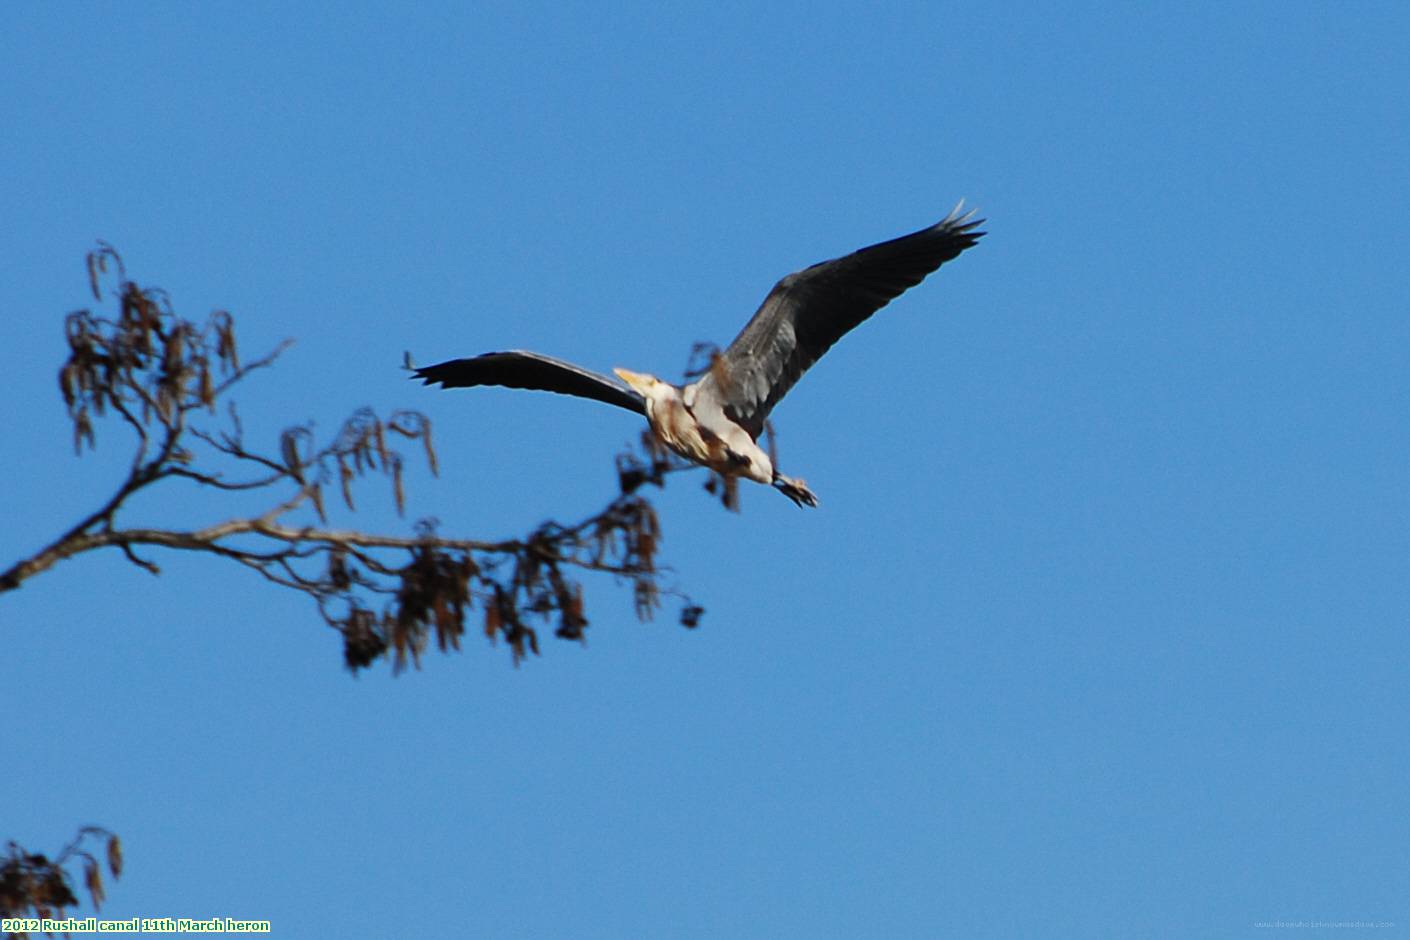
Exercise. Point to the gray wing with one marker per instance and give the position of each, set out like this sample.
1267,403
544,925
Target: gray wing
809,310
518,368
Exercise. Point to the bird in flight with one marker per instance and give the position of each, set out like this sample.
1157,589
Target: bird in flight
716,421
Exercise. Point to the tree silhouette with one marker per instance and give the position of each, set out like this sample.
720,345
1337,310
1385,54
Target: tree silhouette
169,381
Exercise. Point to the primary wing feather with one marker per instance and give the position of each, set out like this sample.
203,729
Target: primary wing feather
519,368
810,310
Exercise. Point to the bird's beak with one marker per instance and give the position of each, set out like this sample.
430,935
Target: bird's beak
636,380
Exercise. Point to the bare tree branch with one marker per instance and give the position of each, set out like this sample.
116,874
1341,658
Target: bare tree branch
386,594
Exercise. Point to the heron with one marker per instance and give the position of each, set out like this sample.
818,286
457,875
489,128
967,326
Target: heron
716,420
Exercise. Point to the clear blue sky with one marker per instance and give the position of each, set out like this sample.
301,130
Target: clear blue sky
1101,627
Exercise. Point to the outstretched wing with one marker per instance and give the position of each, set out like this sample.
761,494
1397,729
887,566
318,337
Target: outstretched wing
809,310
519,368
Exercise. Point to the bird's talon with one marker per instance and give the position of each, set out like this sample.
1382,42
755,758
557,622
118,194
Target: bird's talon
795,490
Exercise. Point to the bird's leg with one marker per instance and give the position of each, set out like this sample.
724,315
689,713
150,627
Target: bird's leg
795,490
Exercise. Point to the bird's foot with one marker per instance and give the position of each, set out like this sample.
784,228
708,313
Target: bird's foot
795,490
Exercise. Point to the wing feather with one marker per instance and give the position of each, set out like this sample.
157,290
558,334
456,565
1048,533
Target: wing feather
810,310
519,368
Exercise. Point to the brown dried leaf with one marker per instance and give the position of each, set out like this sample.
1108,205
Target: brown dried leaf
66,383
399,642
207,387
115,856
173,349
225,339
492,617
315,493
93,881
381,440
96,264
430,451
338,570
345,476
166,401
82,431
397,488
289,450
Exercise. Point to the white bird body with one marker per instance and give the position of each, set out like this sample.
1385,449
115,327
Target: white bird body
694,426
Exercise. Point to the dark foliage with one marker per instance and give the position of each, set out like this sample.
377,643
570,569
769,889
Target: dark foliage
33,885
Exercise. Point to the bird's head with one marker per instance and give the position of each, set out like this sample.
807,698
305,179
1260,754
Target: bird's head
649,386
